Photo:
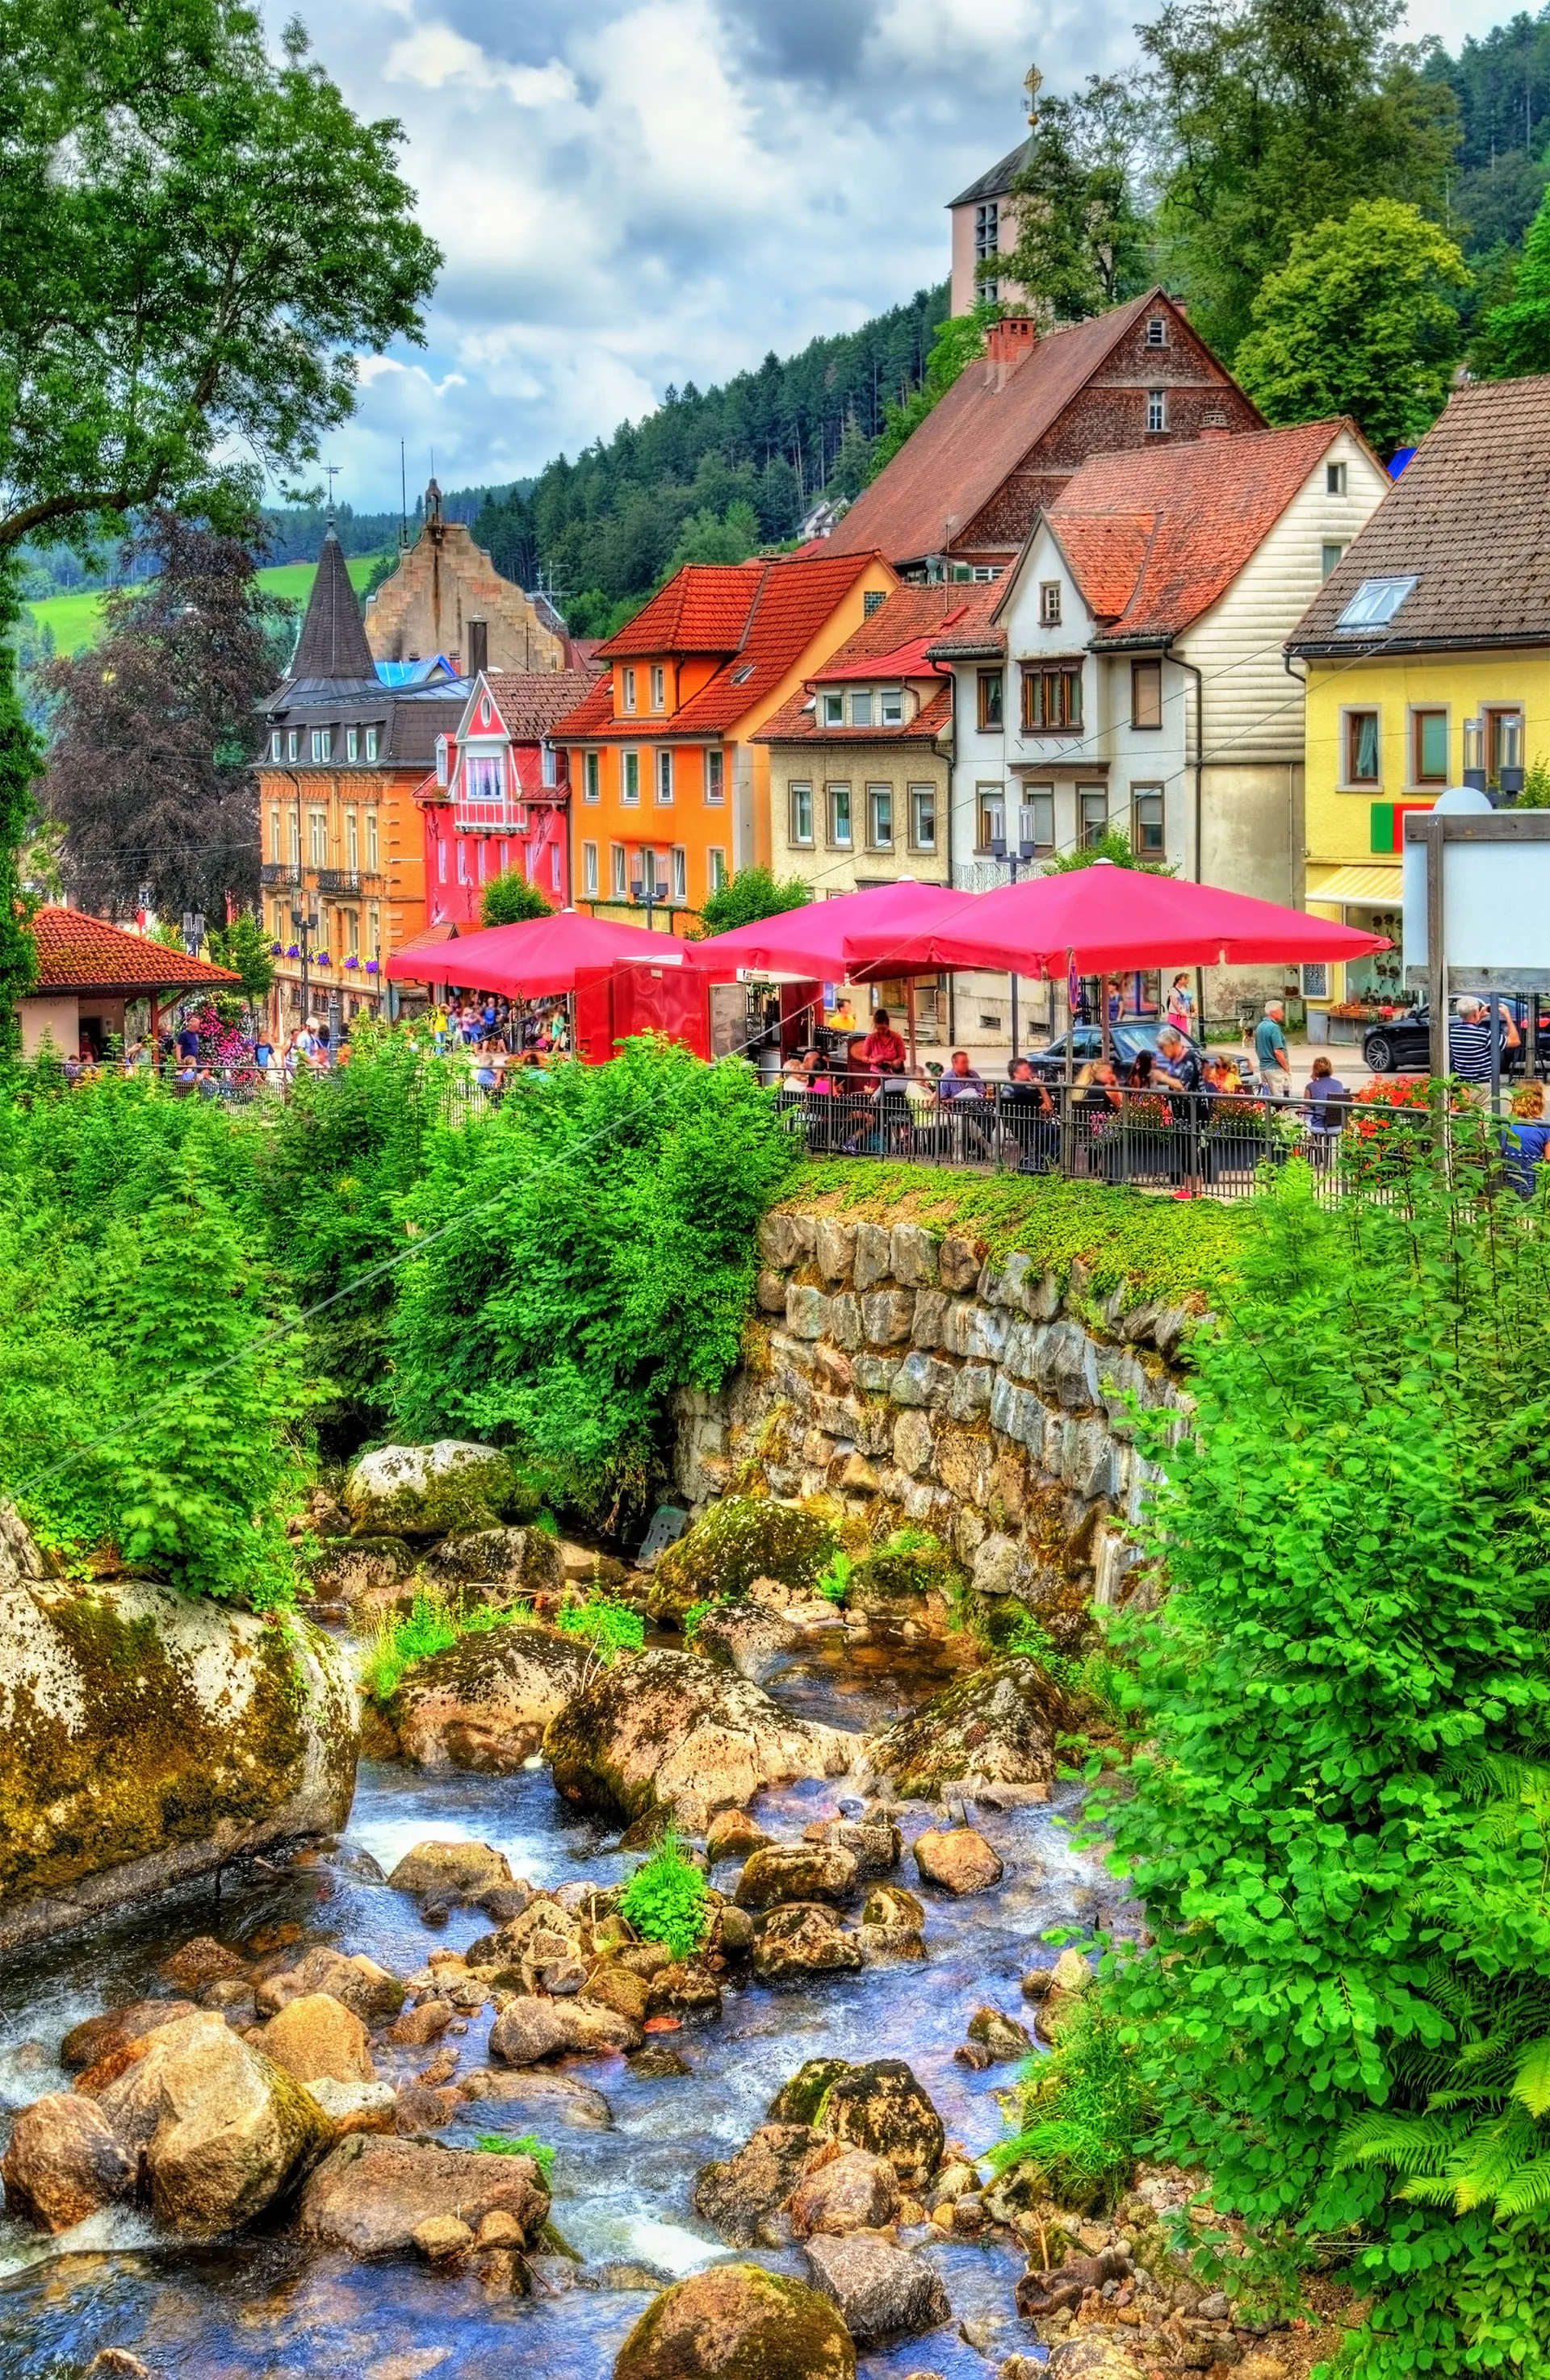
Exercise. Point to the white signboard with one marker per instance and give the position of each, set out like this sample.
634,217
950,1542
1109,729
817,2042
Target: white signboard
1496,902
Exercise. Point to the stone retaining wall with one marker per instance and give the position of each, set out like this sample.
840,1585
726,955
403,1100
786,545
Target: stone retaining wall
912,1380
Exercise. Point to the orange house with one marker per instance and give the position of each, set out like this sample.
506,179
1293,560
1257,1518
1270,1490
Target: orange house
667,786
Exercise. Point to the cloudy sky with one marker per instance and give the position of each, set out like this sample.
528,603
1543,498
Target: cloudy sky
635,192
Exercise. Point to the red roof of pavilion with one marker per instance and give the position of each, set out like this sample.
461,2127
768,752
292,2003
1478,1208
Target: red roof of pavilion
77,952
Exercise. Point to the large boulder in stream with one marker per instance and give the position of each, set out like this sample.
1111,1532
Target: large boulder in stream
997,1726
880,2106
736,2194
371,2194
147,1737
486,1702
665,1731
224,2130
737,2322
884,2291
62,2162
429,1491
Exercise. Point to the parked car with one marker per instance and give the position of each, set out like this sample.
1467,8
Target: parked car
1127,1039
1402,1045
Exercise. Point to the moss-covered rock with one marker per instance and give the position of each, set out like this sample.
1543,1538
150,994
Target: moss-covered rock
429,1491
485,1701
733,1543
146,1736
737,2322
997,1726
881,2106
910,1564
797,2102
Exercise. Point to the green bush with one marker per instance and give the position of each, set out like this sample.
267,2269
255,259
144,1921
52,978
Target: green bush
519,2144
733,1543
1341,1824
602,1257
834,1582
1084,2111
510,900
432,1625
664,1901
609,1627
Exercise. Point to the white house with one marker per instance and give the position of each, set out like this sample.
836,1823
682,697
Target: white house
1131,673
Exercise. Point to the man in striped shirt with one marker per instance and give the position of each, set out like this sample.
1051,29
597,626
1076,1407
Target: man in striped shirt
1469,1046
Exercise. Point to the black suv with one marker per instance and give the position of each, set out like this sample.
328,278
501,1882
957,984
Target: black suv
1403,1045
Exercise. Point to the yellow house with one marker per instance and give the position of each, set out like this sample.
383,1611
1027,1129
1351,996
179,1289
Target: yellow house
1427,657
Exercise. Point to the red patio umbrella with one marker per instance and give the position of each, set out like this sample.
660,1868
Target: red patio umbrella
1094,919
536,958
815,942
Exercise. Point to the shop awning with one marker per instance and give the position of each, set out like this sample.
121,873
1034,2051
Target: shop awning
1364,885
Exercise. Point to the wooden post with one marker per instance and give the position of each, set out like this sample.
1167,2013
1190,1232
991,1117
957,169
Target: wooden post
1434,830
910,1009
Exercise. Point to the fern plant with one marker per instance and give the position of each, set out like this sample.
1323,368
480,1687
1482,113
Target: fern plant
1083,2110
1481,2140
664,1900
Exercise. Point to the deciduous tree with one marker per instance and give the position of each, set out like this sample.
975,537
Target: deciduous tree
1082,243
1515,338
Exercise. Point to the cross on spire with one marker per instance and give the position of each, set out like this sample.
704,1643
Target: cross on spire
333,471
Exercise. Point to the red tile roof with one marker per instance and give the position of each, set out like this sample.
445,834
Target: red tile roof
972,440
76,952
786,603
702,608
1154,540
892,642
797,723
972,631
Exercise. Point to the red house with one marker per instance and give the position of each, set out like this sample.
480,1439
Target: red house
499,799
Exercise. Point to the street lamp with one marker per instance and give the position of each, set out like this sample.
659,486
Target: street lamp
1000,849
303,924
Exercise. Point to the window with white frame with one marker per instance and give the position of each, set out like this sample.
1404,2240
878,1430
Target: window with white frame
293,828
716,867
1093,815
1330,556
1156,408
317,838
352,842
274,833
715,774
627,690
549,765
923,818
1335,478
840,838
374,849
1049,603
890,706
462,862
323,743
589,870
441,860
592,777
276,745
293,744
834,710
484,777
629,778
1156,330
799,798
665,776
659,686
990,816
619,870
1036,817
680,872
1148,827
372,735
860,707
880,818
443,761
352,744
556,876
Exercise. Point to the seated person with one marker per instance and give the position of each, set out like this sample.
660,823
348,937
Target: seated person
1220,1077
883,1051
1137,1074
1327,1098
960,1081
1525,1137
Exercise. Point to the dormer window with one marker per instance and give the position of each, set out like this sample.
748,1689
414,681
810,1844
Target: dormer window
834,711
323,743
659,686
370,743
276,745
441,760
627,690
890,706
1376,602
1156,330
860,708
293,745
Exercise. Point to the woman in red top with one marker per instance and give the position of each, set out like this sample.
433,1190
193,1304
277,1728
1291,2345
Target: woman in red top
883,1050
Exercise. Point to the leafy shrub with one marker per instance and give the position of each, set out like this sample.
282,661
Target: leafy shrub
832,1584
1032,1640
753,893
1339,1823
664,1901
610,1627
602,1257
733,1543
510,900
1084,2111
519,2144
432,1625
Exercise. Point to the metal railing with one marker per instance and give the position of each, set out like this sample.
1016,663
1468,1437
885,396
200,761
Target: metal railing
1211,1143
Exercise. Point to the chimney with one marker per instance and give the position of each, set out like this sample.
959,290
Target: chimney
1215,425
1011,339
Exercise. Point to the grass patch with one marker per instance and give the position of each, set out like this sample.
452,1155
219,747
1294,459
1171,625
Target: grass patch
1183,1251
693,1616
609,1627
432,1625
519,2144
1082,2111
664,1901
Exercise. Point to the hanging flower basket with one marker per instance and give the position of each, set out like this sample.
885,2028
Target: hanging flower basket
293,951
353,963
276,950
322,959
370,967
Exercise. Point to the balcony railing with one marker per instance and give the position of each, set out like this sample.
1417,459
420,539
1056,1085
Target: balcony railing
279,871
346,879
490,816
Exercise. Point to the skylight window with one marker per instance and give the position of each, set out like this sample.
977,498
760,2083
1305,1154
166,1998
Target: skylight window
1376,602
741,676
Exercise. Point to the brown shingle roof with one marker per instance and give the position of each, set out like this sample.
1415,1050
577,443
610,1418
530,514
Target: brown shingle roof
973,630
1466,519
77,952
532,702
1152,541
972,440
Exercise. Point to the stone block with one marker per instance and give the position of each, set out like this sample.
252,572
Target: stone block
1018,1414
785,1352
841,1416
958,1263
988,1331
914,1256
887,1314
922,1380
845,1320
770,1291
807,1311
810,1484
859,1477
965,1464
831,1370
1006,1285
777,1243
878,1375
1011,1485
1017,1355
892,1483
835,1247
1001,1566
968,1531
875,1432
1042,1298
1094,1468
957,1322
972,1391
804,1237
931,1307
1065,1365
874,1255
913,1443
919,1502
817,1448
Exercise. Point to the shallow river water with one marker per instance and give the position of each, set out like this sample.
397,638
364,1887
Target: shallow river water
263,2308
